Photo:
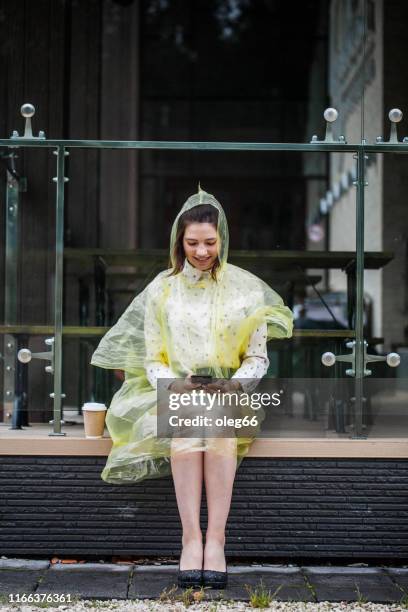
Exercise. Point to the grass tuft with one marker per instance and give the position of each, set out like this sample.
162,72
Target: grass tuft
260,596
361,599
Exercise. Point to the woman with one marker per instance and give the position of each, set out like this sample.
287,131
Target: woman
203,316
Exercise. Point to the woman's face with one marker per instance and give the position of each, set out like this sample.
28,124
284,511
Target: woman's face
200,242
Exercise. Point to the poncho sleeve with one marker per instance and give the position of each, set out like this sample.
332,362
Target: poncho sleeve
124,346
280,321
255,360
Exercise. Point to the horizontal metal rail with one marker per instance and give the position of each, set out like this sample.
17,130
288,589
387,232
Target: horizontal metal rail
207,146
83,332
180,145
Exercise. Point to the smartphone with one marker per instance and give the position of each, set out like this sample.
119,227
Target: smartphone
202,379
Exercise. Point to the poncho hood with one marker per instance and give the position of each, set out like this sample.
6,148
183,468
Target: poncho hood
197,199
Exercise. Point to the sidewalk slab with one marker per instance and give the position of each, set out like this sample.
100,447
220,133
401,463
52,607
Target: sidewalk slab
284,583
88,580
19,581
400,576
149,581
347,584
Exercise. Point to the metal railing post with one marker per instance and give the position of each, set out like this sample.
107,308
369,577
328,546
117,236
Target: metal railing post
359,318
58,293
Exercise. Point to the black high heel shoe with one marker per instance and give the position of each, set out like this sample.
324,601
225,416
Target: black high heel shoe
189,578
215,579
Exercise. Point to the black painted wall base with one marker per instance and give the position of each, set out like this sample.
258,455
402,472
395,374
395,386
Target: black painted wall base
281,509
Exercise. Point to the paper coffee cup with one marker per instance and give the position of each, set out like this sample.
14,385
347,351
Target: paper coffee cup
94,419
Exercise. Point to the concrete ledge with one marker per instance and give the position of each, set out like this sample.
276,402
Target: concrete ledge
27,564
90,567
373,448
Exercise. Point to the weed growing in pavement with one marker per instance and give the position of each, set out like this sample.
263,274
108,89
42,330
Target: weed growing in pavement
187,596
311,588
260,597
168,594
361,599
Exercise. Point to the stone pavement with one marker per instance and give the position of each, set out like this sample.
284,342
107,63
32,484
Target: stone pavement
129,581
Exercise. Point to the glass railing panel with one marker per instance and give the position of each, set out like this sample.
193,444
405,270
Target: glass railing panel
386,388
29,272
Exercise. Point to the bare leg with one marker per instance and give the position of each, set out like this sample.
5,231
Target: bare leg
219,475
187,470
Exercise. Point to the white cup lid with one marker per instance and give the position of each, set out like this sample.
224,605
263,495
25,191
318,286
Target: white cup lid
93,406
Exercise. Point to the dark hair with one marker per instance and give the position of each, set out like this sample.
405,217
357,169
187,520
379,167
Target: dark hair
202,213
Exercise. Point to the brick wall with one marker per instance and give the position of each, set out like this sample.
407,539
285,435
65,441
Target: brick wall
281,508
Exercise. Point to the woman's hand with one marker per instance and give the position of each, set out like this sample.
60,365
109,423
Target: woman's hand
183,386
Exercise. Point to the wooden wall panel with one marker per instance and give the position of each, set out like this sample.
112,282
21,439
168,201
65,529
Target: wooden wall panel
83,122
120,121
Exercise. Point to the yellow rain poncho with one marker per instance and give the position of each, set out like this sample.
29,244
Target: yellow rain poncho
181,324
